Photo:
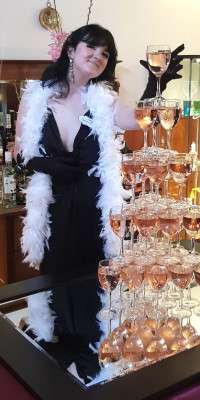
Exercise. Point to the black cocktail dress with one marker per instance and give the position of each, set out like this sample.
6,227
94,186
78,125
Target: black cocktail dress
75,243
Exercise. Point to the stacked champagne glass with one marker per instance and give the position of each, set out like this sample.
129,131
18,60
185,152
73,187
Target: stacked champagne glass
148,283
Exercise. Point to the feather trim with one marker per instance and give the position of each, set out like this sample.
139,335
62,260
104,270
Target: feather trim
40,316
36,99
36,230
100,100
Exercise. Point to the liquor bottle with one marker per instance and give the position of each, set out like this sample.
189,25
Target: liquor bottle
1,158
9,182
21,183
10,132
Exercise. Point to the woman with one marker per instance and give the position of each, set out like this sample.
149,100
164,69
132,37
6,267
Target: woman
65,131
65,134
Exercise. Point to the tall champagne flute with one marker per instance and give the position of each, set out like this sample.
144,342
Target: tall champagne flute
156,171
180,167
145,116
181,275
108,275
191,223
132,164
169,223
158,58
118,224
169,112
157,276
133,276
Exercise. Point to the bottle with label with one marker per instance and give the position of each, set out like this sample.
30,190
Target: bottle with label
10,134
9,182
1,160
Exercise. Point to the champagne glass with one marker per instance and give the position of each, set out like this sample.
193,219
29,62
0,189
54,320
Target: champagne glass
169,224
180,167
108,275
118,224
169,112
181,275
132,165
191,223
145,116
133,352
109,352
158,58
133,277
157,277
156,171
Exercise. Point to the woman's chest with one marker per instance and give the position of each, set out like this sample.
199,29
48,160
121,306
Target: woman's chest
67,115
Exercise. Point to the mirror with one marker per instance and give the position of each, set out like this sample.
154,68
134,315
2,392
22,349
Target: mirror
74,346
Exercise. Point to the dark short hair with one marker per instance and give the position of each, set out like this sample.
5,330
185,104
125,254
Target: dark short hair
92,34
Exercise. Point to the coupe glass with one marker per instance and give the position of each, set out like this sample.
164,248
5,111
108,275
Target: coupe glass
158,58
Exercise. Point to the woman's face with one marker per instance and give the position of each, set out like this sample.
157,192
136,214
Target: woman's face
89,61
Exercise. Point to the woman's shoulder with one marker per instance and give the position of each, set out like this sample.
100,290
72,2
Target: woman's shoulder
101,93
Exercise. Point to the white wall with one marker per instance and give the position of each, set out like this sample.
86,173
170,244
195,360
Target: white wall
133,23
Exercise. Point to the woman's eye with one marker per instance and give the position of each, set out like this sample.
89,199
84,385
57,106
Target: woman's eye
90,46
106,55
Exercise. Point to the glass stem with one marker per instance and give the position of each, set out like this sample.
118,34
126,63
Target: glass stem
166,187
193,249
120,303
143,186
145,138
154,136
157,190
169,139
158,92
133,192
122,247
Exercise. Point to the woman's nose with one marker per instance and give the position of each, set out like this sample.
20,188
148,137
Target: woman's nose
98,54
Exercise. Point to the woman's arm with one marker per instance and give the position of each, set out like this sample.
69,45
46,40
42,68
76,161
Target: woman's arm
124,116
59,168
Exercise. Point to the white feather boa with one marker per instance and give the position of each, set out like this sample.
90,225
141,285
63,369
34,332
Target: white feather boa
100,100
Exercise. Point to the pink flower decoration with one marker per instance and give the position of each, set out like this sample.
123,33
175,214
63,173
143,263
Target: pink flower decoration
58,38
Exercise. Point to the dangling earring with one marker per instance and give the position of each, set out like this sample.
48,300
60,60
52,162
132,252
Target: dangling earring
71,70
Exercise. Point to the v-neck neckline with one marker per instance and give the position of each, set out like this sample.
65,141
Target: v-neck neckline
59,136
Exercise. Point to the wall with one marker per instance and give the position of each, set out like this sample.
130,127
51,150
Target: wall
133,23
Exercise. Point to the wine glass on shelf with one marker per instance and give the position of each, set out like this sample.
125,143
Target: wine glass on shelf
118,224
180,167
169,112
158,58
145,115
